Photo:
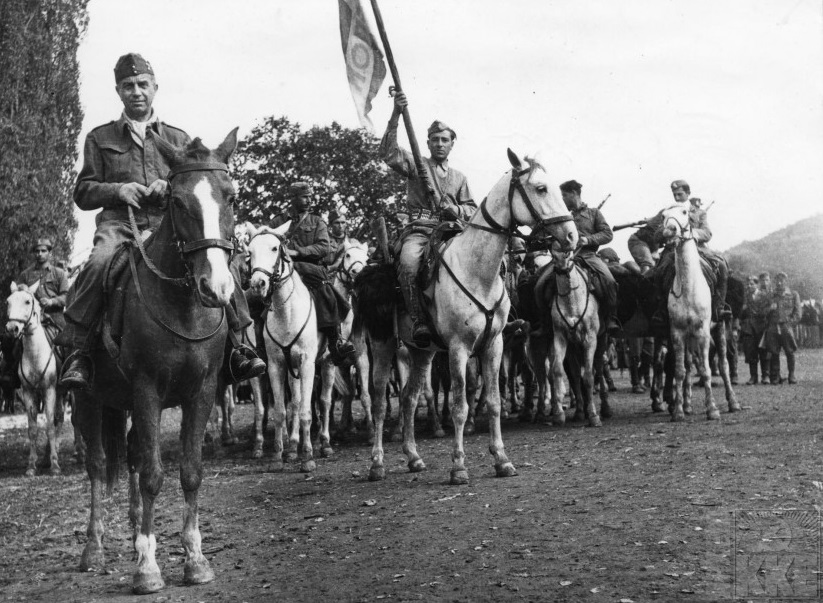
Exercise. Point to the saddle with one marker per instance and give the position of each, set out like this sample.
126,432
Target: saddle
432,258
115,281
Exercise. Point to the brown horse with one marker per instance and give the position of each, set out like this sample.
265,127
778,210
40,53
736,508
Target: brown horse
174,337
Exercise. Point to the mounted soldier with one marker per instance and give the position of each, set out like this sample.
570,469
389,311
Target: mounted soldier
646,241
339,239
594,231
308,248
126,177
452,201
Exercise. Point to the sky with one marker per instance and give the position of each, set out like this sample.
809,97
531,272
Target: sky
623,96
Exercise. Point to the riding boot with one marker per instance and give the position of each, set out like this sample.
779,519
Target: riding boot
421,334
720,310
243,362
752,374
78,369
341,351
764,367
790,368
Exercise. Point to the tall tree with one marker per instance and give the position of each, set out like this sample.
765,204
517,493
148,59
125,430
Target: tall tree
40,121
341,164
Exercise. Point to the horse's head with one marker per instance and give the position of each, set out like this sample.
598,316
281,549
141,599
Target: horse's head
534,202
563,258
268,257
201,196
676,223
353,261
22,309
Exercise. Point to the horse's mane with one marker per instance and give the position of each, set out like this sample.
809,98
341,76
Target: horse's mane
534,164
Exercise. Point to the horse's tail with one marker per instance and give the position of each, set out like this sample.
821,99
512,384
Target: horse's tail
375,298
113,432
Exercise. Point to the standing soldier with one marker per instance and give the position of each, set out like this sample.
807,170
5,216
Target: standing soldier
308,246
784,313
122,169
452,201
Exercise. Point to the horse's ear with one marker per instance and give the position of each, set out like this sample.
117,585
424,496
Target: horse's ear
227,147
167,150
32,288
13,287
514,159
281,231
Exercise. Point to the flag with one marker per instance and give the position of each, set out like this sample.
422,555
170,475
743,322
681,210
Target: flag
364,60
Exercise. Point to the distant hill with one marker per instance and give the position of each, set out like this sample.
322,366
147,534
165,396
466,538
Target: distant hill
796,250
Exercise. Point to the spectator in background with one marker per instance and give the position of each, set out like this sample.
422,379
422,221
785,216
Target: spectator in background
784,314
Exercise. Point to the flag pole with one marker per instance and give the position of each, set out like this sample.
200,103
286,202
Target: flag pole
415,149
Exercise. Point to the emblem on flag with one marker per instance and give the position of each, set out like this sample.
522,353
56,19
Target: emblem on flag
364,59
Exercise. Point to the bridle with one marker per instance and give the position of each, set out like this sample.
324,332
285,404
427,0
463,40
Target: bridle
515,185
686,232
282,269
185,248
347,275
28,321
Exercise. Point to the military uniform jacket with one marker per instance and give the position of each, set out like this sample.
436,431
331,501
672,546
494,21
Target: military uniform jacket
452,190
111,158
592,225
651,233
54,284
787,310
308,236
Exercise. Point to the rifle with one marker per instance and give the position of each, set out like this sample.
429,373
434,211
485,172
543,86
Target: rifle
629,225
709,206
603,202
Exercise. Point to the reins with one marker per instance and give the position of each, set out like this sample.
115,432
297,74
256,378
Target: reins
557,297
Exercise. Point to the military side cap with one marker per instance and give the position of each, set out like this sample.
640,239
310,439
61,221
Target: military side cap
439,126
130,65
43,243
679,184
607,254
334,216
300,188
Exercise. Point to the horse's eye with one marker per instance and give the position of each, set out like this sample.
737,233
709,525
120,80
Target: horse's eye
542,189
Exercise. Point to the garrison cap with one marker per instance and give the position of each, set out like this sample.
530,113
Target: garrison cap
439,126
782,275
131,64
696,201
335,215
571,186
42,243
680,184
300,188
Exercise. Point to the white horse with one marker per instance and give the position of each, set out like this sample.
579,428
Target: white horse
690,305
37,369
352,262
469,310
292,343
576,328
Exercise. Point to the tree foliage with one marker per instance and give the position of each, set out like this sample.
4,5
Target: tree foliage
341,164
40,121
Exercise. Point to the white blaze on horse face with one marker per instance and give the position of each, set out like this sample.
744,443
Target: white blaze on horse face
220,282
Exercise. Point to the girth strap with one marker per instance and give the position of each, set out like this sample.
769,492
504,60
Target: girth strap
286,349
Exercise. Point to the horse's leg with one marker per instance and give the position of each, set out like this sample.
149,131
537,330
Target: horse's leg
679,345
362,364
278,409
79,442
419,373
458,357
29,398
703,339
382,353
301,391
195,416
90,419
52,432
134,461
656,390
688,360
589,355
146,418
558,388
435,418
258,431
601,364
327,375
472,381
403,362
723,365
491,369
227,408
574,373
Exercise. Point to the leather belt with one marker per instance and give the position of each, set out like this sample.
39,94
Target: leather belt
422,214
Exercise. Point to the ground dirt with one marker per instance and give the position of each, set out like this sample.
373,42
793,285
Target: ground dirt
640,509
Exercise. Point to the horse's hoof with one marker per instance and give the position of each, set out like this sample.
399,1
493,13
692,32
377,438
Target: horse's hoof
377,474
275,466
459,477
595,422
559,419
606,413
257,453
147,583
504,414
657,407
55,470
326,451
31,472
92,557
417,465
291,457
687,410
678,417
734,406
197,573
439,433
469,429
308,466
505,470
713,415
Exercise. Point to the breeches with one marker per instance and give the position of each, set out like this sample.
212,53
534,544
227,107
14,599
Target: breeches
641,251
411,254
